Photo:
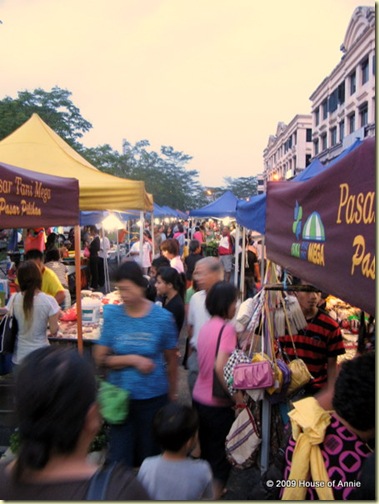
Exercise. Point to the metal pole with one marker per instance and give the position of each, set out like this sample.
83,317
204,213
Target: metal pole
243,264
78,288
236,245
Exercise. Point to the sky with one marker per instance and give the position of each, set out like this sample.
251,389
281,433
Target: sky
211,78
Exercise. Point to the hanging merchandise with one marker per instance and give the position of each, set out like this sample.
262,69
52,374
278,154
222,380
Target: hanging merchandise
35,239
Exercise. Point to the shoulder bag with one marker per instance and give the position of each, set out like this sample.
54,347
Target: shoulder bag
217,388
99,483
114,402
8,330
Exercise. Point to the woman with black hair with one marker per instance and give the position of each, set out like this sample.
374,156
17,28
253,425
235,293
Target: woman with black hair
170,285
138,346
34,311
216,414
58,417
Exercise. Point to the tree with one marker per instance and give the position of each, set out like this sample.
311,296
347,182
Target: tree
54,107
243,187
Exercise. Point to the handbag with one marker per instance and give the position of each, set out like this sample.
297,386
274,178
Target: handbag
8,330
217,389
243,439
114,402
300,375
255,375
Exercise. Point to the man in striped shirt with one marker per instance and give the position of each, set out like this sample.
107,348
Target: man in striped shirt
318,344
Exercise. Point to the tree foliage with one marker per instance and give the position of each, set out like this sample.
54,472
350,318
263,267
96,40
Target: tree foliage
165,173
54,107
243,187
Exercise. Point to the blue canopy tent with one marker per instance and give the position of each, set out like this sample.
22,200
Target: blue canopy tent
252,214
225,206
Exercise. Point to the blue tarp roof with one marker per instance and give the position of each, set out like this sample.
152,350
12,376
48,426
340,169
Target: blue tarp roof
225,206
252,214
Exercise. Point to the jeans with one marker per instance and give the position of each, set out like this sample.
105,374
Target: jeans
133,441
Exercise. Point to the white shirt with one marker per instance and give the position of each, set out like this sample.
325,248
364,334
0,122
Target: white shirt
177,263
105,245
197,315
146,249
31,337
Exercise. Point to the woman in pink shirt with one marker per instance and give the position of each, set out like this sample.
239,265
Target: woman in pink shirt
216,415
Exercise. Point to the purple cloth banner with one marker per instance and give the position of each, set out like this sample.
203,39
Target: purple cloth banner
32,199
323,230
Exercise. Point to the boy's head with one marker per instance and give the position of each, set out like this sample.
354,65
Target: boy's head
174,425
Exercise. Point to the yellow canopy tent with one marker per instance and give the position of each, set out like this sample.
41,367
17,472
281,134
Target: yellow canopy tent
35,146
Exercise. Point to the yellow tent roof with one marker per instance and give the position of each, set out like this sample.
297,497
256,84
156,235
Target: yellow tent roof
35,146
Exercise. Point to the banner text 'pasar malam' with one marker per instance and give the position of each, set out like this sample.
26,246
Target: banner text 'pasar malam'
358,209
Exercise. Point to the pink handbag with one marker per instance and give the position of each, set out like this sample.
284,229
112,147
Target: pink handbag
253,375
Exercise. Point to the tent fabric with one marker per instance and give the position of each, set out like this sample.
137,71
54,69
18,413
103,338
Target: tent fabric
314,168
32,199
35,146
225,206
323,230
252,214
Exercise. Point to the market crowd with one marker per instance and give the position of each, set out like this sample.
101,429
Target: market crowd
178,282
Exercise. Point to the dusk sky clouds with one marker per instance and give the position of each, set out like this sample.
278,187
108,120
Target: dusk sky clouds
212,78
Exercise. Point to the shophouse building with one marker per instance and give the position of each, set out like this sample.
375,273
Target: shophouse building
289,151
342,107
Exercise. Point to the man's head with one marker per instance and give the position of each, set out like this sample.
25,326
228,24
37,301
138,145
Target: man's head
308,298
207,272
174,426
36,256
225,231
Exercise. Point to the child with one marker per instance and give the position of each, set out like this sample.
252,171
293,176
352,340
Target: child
173,475
151,291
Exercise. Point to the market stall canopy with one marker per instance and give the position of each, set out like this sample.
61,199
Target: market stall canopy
35,146
323,230
252,214
225,206
32,199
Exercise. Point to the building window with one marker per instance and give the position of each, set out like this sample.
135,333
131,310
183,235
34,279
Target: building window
364,68
333,136
315,144
353,83
317,116
351,120
308,158
324,142
363,114
333,101
324,106
341,93
342,130
373,65
309,135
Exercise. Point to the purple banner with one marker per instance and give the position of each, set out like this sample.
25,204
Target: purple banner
323,230
32,199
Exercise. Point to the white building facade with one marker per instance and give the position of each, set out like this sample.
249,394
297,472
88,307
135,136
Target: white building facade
343,105
289,151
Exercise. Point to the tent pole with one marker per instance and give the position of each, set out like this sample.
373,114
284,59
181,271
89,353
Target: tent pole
78,288
141,230
243,264
236,245
152,235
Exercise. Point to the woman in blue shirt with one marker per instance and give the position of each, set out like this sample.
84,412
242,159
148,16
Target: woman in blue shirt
138,346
